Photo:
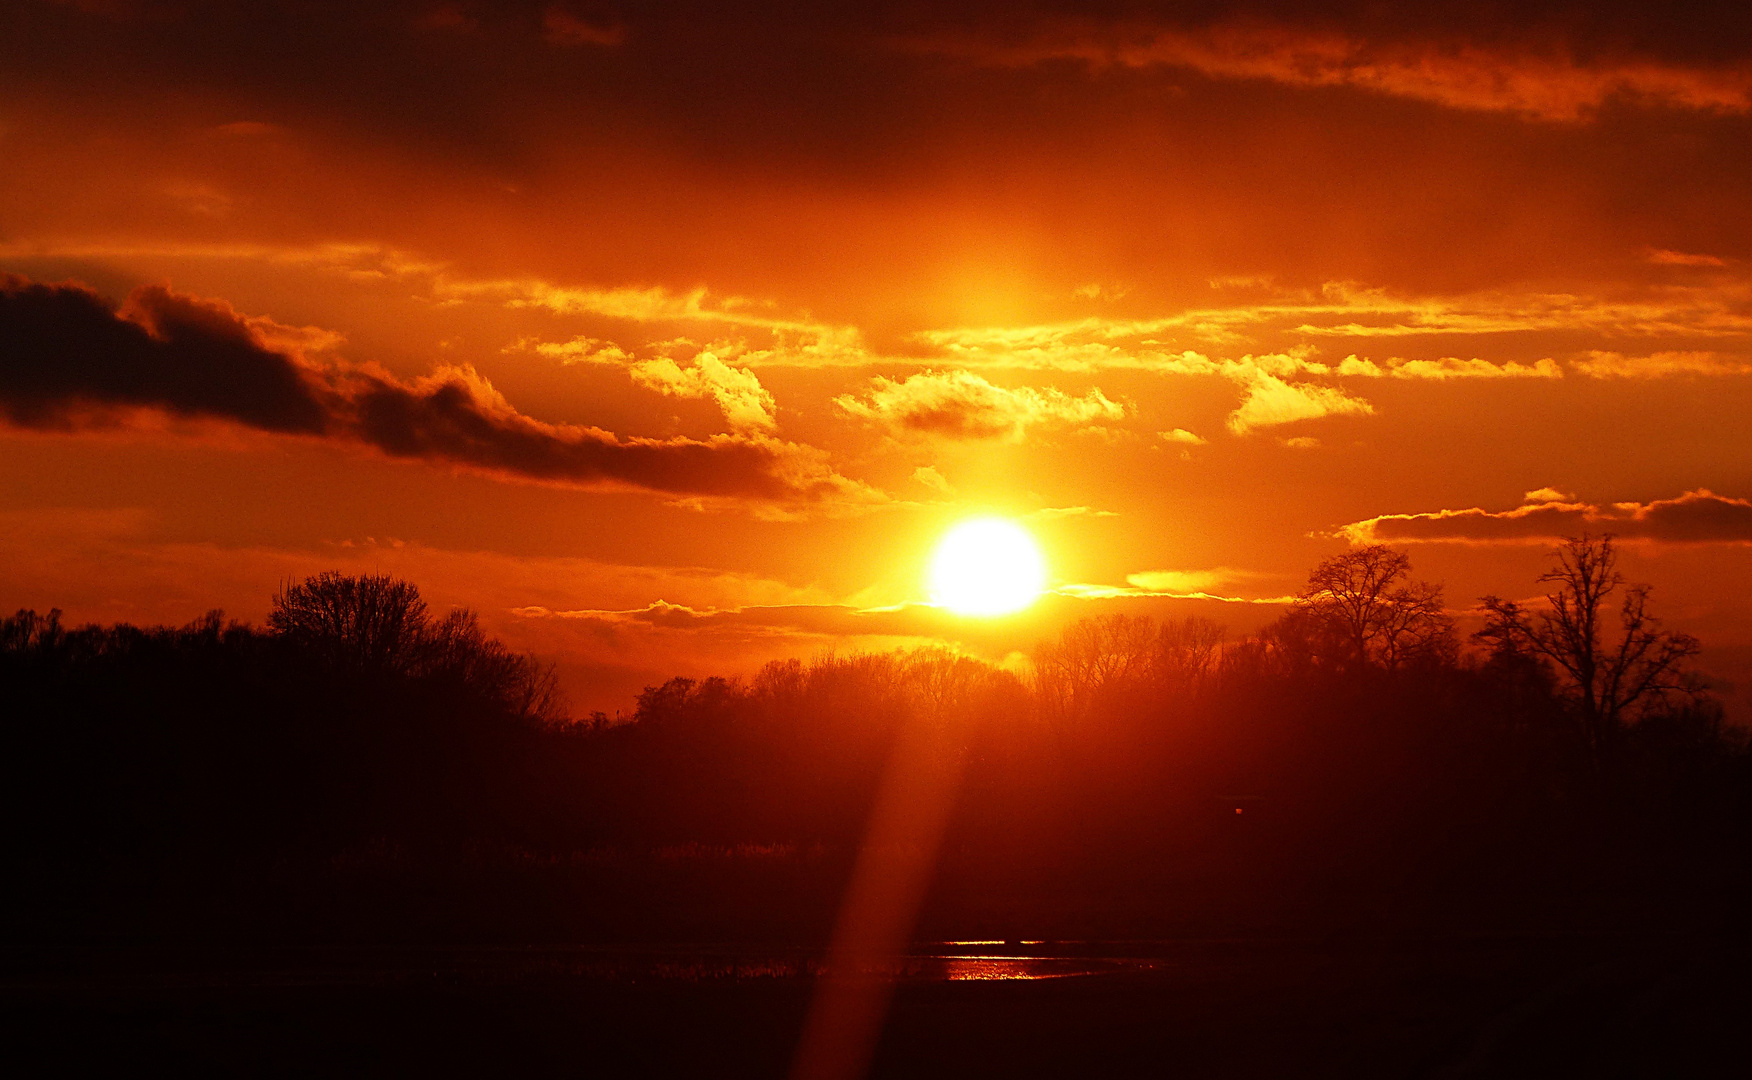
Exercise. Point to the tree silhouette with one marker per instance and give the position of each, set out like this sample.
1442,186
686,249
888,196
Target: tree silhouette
1607,683
455,649
371,623
1187,651
376,625
1094,655
1362,603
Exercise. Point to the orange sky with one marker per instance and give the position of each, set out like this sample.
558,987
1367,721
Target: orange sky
671,337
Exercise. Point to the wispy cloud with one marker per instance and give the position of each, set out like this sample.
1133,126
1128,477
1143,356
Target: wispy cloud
1551,84
579,350
1663,257
561,27
1662,365
1054,513
1448,367
1695,517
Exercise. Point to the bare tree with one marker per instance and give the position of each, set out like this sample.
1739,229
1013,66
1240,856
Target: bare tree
1093,656
369,623
1609,683
1363,601
1187,651
456,648
27,632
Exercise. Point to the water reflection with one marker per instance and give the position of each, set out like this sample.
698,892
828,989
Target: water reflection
959,961
992,968
930,962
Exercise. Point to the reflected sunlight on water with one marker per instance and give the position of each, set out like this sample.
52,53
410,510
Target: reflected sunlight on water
921,966
939,964
987,968
927,962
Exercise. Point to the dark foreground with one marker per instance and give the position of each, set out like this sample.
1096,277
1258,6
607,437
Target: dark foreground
1617,1007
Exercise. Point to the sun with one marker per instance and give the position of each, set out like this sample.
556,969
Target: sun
988,566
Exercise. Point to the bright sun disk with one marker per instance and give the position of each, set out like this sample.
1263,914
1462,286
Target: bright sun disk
988,566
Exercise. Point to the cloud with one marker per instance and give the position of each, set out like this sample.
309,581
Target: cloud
1449,367
1661,365
1301,442
71,360
449,16
931,478
1183,436
1695,517
65,348
1717,309
963,405
758,632
579,350
1271,401
747,405
1178,581
792,341
1662,257
1134,592
561,27
1546,83
1053,513
792,628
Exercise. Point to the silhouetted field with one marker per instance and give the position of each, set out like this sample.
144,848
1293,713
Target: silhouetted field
1405,839
1612,1007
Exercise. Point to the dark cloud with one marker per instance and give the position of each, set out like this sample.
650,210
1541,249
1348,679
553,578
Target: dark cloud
1559,63
1695,517
455,76
68,358
63,347
1167,167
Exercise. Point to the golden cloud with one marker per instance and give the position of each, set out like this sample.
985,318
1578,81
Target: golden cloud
1662,365
746,404
963,405
1271,401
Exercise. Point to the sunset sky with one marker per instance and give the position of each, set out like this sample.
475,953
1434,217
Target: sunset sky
671,338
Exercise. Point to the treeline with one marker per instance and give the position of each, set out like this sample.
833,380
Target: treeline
143,766
358,764
1356,755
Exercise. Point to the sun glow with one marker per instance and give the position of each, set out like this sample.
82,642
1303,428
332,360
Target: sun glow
988,566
